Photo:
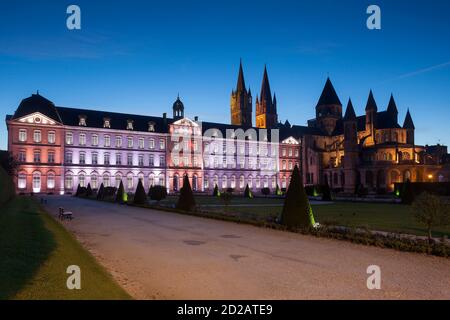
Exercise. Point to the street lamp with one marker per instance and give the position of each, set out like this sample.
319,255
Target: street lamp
430,177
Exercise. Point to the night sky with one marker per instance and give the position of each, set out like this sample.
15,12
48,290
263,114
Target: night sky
136,56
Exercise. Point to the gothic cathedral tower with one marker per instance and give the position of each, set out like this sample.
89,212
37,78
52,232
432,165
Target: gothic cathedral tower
266,107
241,103
351,154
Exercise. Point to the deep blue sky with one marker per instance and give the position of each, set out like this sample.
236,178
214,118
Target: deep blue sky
135,56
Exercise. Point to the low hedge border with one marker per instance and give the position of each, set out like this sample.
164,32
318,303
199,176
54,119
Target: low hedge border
358,236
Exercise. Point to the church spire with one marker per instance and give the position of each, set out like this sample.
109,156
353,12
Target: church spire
266,110
371,104
265,88
350,114
329,95
240,87
408,123
392,106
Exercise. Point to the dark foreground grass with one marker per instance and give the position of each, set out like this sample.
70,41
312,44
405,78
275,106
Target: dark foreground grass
35,251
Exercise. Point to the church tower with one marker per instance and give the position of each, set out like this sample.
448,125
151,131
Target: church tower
241,103
371,114
350,148
408,124
266,106
178,109
328,109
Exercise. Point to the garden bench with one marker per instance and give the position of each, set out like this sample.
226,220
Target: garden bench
65,215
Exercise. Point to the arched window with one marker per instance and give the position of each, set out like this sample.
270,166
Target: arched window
94,181
224,182
283,183
241,182
258,182
68,181
216,180
37,181
22,180
50,180
250,182
151,179
82,180
130,184
162,180
266,182
118,179
194,182
206,182
106,180
233,182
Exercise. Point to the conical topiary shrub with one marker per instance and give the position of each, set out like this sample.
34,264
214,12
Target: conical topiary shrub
297,212
247,192
120,195
78,192
326,192
100,193
89,190
139,196
186,200
278,191
216,192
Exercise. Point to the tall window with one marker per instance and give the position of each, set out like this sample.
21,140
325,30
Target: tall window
82,139
130,159
37,156
106,159
37,136
151,143
36,182
106,181
50,180
51,157
141,160
94,181
68,181
141,143
162,144
94,158
162,181
118,159
51,137
224,182
82,158
107,141
162,161
22,135
151,161
241,182
118,142
82,180
130,182
206,182
22,156
69,138
22,181
118,180
68,157
94,140
130,142
233,182
194,182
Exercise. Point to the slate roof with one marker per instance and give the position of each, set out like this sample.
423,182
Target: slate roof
329,95
36,103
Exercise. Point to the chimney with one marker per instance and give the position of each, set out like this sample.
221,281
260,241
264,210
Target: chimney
196,118
165,118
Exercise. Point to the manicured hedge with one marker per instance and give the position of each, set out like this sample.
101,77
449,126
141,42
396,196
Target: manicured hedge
439,188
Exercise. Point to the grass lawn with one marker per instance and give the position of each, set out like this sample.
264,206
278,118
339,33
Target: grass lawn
375,216
35,251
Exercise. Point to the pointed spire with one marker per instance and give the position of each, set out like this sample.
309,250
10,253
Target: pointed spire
265,88
274,98
240,87
249,91
408,123
392,106
329,95
371,104
350,112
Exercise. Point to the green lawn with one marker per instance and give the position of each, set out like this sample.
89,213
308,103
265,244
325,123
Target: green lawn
35,251
375,216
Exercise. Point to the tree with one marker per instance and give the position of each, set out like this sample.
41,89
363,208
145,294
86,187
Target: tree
6,187
278,192
247,192
78,192
120,195
297,212
326,192
407,194
157,193
186,200
89,190
8,162
100,193
431,211
216,192
265,191
139,196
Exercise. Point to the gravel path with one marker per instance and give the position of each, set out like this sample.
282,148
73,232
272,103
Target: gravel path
162,255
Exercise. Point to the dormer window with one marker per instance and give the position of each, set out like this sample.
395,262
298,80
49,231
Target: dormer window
129,124
82,120
151,126
106,123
